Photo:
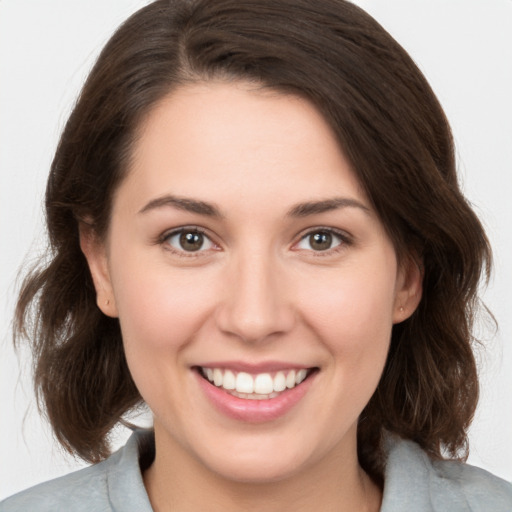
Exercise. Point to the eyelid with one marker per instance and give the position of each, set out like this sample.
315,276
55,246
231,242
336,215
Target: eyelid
163,240
346,240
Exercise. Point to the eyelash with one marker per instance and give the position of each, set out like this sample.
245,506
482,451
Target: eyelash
165,238
345,240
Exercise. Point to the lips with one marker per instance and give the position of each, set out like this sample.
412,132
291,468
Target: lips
246,394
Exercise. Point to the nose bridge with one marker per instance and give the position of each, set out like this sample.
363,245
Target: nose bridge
255,305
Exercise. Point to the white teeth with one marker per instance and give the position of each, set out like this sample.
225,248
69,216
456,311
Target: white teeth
254,396
258,387
290,380
217,377
263,384
301,375
279,382
244,383
229,381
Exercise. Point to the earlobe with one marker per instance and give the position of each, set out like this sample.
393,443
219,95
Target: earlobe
409,289
96,256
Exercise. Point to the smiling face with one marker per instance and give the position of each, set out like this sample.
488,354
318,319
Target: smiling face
243,254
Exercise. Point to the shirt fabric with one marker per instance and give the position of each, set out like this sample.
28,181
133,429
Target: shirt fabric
412,482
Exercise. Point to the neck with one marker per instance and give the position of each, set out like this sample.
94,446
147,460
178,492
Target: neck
177,481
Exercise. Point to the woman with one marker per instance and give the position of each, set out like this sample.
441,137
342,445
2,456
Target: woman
244,216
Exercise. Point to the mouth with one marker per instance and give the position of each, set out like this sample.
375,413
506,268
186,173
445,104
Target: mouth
255,386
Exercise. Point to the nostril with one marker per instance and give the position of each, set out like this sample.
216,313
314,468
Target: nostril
252,328
254,308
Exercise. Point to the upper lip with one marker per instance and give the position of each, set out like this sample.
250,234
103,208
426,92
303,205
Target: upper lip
251,367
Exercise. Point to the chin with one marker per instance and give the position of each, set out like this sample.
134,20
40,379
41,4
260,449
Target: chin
258,462
257,470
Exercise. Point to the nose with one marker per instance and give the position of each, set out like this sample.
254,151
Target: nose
255,307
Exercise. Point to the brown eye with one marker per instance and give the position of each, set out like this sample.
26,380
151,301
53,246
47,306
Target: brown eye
321,240
189,240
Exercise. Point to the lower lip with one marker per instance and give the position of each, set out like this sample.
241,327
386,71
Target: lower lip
254,411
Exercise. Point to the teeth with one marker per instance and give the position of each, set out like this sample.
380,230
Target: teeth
255,387
301,375
217,377
244,383
229,381
290,380
279,382
263,384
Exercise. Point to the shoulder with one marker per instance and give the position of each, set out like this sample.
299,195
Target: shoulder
85,489
107,486
413,481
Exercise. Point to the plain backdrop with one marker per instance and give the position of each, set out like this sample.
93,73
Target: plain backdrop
464,47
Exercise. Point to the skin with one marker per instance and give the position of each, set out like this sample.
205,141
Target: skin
257,291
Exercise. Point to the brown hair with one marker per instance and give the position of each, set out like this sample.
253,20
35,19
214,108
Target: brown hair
389,124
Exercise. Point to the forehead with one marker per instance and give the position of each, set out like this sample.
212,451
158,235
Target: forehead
237,140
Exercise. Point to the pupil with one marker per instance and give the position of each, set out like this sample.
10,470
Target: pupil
321,241
191,241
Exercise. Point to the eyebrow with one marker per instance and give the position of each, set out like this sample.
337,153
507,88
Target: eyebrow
181,203
326,205
210,210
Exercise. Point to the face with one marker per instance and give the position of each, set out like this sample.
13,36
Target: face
255,286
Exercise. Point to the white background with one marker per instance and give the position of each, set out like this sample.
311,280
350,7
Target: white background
46,48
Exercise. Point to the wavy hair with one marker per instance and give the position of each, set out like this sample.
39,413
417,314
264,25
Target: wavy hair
388,123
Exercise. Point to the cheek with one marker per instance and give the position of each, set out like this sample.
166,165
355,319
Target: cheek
352,318
160,313
160,310
352,305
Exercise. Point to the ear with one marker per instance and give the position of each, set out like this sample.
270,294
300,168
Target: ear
409,288
96,256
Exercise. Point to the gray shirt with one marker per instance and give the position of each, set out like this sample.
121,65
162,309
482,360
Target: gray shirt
412,482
